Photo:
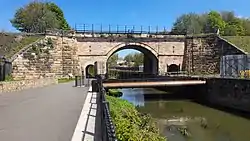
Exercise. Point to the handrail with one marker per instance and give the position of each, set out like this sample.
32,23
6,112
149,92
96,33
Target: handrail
108,128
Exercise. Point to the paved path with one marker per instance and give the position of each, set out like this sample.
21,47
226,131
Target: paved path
89,124
43,114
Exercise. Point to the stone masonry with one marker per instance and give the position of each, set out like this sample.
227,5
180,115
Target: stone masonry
59,56
12,86
53,56
203,53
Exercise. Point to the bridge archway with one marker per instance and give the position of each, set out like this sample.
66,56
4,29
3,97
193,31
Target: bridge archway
90,71
173,68
150,59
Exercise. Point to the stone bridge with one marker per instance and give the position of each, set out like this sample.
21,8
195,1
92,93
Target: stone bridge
158,54
60,55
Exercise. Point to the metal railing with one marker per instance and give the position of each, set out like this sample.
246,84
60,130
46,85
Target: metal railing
235,66
108,128
120,29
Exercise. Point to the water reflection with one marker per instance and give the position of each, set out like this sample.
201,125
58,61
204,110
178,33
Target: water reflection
220,126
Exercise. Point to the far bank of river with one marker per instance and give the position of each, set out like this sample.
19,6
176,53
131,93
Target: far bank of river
178,117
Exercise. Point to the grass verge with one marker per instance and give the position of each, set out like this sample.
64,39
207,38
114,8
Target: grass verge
12,43
65,80
242,42
130,124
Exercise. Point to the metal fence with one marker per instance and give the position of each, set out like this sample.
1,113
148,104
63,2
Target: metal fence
5,68
119,29
235,66
108,128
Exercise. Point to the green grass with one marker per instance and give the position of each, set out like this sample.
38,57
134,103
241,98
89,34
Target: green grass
65,80
114,92
11,43
243,42
131,125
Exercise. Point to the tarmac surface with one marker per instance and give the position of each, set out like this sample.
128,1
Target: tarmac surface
42,114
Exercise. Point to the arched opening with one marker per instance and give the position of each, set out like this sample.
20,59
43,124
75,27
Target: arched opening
173,68
132,61
90,71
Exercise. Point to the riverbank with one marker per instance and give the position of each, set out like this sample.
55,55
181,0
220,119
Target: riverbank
130,124
182,119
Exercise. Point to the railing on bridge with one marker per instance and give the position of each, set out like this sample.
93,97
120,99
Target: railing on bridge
108,128
120,29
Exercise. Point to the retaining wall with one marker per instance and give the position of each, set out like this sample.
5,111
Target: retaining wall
232,93
12,86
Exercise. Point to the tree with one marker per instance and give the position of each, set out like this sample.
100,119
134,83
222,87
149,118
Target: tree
112,61
37,17
129,58
188,23
234,25
138,59
59,15
215,22
246,26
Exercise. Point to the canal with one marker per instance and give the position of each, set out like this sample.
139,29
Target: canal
181,119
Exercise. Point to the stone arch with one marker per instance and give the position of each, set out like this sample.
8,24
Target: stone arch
173,68
130,46
89,71
150,55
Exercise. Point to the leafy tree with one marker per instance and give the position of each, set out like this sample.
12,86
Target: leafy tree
59,15
138,59
215,22
112,61
37,17
188,23
234,25
227,16
246,26
129,58
226,21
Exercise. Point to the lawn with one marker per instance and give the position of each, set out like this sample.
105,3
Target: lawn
11,43
242,42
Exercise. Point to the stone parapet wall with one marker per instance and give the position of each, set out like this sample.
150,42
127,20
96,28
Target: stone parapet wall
12,86
202,54
233,93
53,56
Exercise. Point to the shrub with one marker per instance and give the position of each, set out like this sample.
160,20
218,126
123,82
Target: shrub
114,92
130,124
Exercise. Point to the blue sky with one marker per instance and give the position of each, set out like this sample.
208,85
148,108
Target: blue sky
127,12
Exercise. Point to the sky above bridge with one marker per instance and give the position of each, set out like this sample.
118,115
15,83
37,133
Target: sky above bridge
127,12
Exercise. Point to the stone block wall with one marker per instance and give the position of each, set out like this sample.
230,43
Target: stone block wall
12,86
53,56
233,93
202,54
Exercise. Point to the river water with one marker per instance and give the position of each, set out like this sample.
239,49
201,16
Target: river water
184,120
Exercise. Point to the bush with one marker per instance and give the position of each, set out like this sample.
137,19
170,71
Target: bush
130,124
114,92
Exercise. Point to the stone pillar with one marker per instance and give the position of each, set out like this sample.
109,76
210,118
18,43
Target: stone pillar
101,67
